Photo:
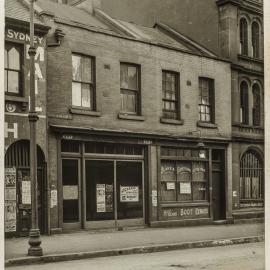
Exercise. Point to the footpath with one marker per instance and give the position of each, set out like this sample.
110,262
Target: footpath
89,244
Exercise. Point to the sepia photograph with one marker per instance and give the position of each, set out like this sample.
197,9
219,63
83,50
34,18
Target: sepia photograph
134,135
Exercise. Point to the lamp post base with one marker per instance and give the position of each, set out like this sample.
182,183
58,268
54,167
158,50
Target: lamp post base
34,241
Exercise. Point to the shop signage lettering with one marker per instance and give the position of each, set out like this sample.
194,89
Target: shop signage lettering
11,130
165,169
183,169
253,204
129,193
22,36
170,213
193,211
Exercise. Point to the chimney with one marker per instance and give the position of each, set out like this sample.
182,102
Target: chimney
88,5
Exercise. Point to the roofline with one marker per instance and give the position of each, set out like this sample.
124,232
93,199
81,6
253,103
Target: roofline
98,30
184,38
26,25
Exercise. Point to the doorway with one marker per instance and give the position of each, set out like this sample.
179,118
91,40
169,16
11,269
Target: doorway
218,184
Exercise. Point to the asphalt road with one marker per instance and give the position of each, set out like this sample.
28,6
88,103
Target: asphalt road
236,257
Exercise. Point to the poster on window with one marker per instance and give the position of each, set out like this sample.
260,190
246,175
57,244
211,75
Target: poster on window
26,192
70,192
101,198
185,188
170,185
109,198
129,193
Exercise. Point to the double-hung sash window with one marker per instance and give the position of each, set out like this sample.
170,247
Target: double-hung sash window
83,82
130,88
255,30
170,85
206,100
13,68
256,105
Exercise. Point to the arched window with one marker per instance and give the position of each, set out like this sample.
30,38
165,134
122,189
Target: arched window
256,105
255,30
244,103
243,37
251,176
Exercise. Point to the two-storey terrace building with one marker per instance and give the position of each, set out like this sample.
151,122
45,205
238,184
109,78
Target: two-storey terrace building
139,123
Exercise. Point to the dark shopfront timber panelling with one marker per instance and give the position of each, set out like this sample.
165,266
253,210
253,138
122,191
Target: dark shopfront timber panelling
185,185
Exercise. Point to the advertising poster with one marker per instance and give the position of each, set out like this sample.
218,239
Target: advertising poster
170,185
101,198
185,188
10,216
154,198
109,198
10,194
70,192
53,198
10,177
26,192
129,193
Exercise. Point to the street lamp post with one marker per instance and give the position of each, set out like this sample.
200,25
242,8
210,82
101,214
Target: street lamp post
34,234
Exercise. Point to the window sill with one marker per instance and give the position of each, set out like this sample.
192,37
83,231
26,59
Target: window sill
130,117
84,112
206,124
16,98
248,58
247,126
171,121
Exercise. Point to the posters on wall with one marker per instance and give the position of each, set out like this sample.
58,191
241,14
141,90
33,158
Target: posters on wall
53,198
10,199
129,193
104,198
26,192
154,198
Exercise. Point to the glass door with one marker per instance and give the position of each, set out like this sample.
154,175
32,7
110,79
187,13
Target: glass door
71,194
130,193
99,194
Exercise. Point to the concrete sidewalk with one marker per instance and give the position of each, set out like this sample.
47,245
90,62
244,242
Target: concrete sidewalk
85,244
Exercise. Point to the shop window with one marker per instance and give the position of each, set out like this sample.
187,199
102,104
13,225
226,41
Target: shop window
70,146
244,103
255,30
83,82
256,105
243,37
184,181
110,148
13,69
129,88
170,95
251,176
206,100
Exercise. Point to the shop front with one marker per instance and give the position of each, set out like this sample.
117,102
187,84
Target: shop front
102,185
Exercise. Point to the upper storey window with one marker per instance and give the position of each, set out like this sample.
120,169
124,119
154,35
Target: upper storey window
130,88
244,103
82,82
255,30
256,105
13,69
170,85
243,37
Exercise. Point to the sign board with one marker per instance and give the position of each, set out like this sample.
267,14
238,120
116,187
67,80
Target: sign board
186,212
101,198
185,188
26,192
170,185
53,198
70,192
154,198
129,193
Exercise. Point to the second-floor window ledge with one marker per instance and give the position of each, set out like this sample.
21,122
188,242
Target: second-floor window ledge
171,121
83,111
131,117
206,124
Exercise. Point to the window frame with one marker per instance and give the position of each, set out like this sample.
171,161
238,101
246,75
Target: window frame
255,41
256,110
91,84
244,103
211,97
136,91
243,36
177,95
20,71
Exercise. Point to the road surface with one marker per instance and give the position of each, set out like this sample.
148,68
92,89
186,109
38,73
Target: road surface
236,257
